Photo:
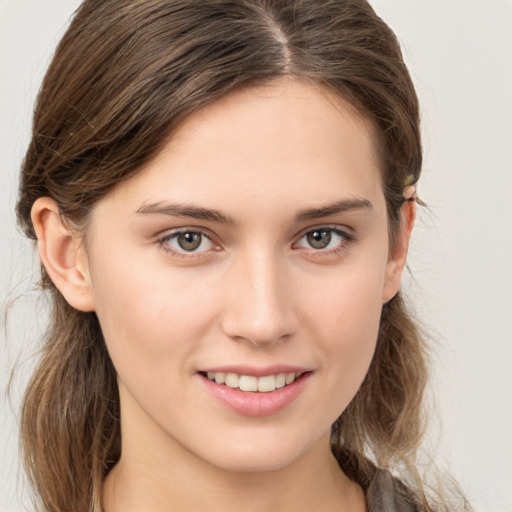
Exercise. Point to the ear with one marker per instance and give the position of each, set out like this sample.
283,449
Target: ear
63,254
398,254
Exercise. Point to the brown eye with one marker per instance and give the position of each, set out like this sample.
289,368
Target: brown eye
319,239
327,239
189,241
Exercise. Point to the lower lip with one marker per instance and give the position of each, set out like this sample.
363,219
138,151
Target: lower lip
250,403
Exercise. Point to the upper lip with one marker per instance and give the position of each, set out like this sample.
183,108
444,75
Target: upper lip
256,371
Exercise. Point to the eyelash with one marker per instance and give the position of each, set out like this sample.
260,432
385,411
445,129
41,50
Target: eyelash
164,241
346,240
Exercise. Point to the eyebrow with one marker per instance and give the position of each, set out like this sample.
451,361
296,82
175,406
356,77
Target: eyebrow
344,206
196,212
189,211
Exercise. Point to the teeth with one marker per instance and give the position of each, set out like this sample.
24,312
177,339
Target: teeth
232,380
251,383
290,377
267,383
248,383
219,377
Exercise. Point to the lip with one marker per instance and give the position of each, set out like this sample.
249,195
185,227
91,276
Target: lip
253,403
257,371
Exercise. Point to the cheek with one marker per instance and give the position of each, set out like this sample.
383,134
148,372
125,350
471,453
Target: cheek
151,316
344,315
347,302
353,336
152,329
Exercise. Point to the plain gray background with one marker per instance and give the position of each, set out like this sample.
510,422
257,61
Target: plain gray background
460,56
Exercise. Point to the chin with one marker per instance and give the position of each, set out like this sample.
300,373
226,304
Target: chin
262,462
262,453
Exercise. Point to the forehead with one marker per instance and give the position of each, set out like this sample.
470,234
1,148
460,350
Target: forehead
286,143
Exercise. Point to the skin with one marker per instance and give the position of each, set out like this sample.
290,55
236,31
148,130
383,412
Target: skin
255,292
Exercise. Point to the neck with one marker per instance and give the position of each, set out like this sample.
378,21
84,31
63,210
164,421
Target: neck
175,487
154,486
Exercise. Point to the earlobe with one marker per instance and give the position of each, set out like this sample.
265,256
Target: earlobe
62,254
398,254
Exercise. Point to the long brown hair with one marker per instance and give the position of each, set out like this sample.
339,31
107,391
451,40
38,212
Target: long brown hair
122,78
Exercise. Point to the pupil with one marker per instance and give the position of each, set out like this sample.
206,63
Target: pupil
189,241
319,239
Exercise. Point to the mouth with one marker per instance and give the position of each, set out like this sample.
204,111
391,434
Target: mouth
256,395
263,384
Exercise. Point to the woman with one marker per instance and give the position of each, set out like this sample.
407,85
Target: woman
223,195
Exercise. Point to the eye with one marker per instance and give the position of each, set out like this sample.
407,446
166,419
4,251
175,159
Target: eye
187,241
324,238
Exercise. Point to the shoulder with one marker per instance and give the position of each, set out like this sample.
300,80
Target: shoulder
385,493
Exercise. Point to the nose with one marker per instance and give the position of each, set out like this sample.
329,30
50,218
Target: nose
259,303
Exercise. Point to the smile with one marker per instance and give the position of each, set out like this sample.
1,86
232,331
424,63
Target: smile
264,384
255,395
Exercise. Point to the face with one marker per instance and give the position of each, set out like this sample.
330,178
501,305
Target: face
239,278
